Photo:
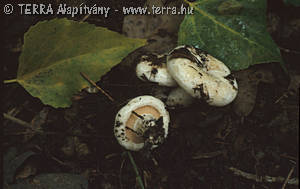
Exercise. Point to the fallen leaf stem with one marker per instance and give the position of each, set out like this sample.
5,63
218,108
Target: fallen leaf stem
10,81
95,85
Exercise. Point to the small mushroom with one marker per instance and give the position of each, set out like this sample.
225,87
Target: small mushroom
91,89
153,68
179,97
202,76
143,121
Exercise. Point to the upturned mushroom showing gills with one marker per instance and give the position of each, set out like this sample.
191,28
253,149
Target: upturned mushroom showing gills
153,68
202,76
142,122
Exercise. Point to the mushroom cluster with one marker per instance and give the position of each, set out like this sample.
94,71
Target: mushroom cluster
200,75
193,74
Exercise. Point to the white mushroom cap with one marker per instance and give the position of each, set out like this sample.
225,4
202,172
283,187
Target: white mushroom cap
91,89
202,76
127,124
212,65
153,68
179,97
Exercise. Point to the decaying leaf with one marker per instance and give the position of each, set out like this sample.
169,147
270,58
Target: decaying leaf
73,146
27,169
248,81
236,33
12,161
37,123
56,51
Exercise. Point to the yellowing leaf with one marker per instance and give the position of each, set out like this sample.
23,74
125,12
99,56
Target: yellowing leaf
56,51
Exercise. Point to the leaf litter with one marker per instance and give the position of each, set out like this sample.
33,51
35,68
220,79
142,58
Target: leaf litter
215,136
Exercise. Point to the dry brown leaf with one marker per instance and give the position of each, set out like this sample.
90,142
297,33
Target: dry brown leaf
245,100
73,146
28,168
68,149
248,81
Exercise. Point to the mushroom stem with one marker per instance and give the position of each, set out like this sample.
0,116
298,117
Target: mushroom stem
138,115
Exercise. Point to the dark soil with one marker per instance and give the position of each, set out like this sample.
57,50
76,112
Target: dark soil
203,143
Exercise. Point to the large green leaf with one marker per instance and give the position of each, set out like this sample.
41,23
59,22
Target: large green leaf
232,31
56,51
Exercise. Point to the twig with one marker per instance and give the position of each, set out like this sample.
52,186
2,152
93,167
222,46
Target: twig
120,175
285,95
21,122
85,17
95,85
289,50
268,179
59,161
55,133
288,177
289,157
139,179
207,155
146,175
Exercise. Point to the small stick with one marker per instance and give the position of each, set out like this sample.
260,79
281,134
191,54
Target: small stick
54,133
285,95
208,155
95,85
266,178
288,177
289,157
85,17
21,122
138,115
289,50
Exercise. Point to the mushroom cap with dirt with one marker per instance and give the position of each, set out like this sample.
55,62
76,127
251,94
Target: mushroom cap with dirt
153,68
202,76
139,116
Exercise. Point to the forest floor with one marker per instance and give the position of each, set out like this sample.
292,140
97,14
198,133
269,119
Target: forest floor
207,147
